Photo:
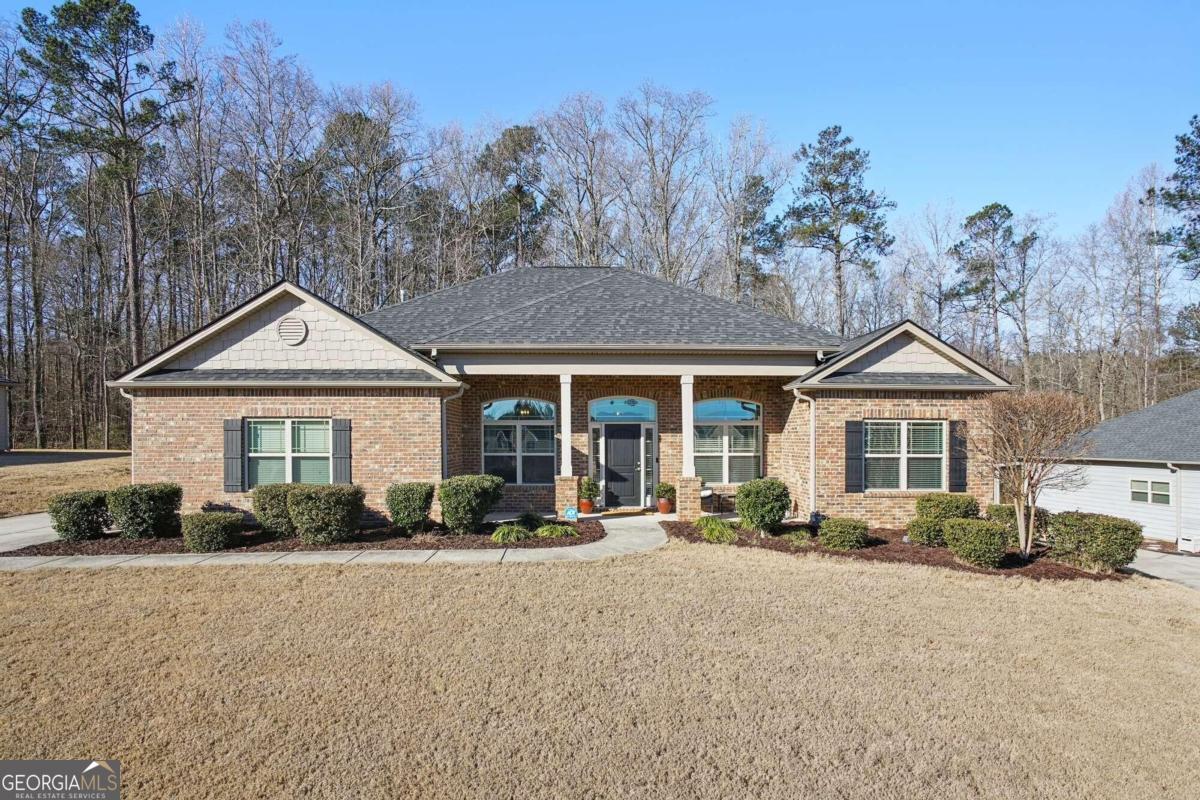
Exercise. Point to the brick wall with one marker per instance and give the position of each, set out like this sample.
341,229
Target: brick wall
890,509
178,435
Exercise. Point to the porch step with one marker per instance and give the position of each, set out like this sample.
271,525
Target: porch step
634,511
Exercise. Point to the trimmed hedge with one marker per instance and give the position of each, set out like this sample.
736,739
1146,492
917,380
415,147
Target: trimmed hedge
1094,541
1006,515
146,510
210,531
80,515
467,499
716,530
555,531
944,505
324,514
763,504
843,533
976,541
926,531
507,534
269,503
408,505
531,520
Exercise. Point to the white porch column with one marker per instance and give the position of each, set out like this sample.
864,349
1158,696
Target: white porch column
688,433
564,417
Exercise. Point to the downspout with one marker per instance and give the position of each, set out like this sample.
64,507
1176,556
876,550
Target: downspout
1178,499
445,429
812,450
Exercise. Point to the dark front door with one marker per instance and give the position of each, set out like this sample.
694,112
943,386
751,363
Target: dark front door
623,445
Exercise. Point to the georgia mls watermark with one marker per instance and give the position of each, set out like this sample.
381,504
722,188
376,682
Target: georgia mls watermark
60,780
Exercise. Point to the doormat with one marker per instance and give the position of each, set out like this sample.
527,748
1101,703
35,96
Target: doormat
623,512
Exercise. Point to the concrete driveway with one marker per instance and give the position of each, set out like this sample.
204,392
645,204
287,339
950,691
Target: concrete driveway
18,532
1174,567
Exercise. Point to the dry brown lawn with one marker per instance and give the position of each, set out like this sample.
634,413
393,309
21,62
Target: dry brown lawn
692,671
29,479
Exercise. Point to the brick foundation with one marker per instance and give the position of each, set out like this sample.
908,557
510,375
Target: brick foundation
687,499
566,493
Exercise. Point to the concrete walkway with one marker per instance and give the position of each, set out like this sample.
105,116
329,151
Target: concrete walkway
623,535
22,531
1174,567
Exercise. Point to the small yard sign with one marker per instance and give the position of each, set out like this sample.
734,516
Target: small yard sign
571,513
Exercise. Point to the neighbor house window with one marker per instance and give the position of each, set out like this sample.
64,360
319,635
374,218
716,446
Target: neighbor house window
287,451
1156,492
518,440
728,440
906,455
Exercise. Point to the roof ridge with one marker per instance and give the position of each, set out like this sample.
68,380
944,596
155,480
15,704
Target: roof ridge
523,306
745,309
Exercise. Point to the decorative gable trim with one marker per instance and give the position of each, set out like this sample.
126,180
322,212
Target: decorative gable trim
262,300
948,351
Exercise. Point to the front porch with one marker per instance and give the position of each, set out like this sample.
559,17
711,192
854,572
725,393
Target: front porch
626,432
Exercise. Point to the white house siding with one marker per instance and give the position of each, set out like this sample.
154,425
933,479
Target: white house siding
254,343
1106,491
903,354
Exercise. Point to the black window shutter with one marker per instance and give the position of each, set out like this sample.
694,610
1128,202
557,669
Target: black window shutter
234,481
958,456
341,451
854,456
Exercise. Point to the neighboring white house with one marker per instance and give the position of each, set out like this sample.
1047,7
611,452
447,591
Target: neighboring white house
1144,466
5,428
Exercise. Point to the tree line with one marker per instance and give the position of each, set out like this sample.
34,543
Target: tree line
150,183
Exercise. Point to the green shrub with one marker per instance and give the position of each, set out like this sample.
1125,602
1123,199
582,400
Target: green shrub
531,520
717,530
926,531
146,510
843,533
798,538
555,531
269,503
589,489
976,541
507,534
324,514
944,506
763,504
80,515
467,499
210,531
1006,515
665,491
408,505
1094,541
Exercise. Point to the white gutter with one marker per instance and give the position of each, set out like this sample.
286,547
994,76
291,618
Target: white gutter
1178,499
462,387
812,450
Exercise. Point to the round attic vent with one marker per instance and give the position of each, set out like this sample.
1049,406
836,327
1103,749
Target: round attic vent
291,330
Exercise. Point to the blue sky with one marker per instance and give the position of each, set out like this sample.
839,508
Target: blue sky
1047,106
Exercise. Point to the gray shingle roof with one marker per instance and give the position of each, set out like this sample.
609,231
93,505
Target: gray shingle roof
904,379
1166,431
4,381
291,375
579,306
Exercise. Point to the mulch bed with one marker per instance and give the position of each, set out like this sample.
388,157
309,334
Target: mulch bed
370,539
888,545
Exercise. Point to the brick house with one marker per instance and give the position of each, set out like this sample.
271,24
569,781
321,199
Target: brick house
545,375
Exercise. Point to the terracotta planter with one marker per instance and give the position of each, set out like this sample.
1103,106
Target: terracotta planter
586,506
664,505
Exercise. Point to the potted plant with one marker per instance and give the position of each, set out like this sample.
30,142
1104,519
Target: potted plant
665,493
589,490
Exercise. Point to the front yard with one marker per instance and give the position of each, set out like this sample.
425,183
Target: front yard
29,478
695,671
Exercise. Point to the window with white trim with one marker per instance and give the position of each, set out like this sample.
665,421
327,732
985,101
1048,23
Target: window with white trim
1154,492
906,455
288,451
518,440
728,440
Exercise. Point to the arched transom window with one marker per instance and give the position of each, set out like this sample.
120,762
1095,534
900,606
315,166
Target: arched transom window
518,440
728,440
